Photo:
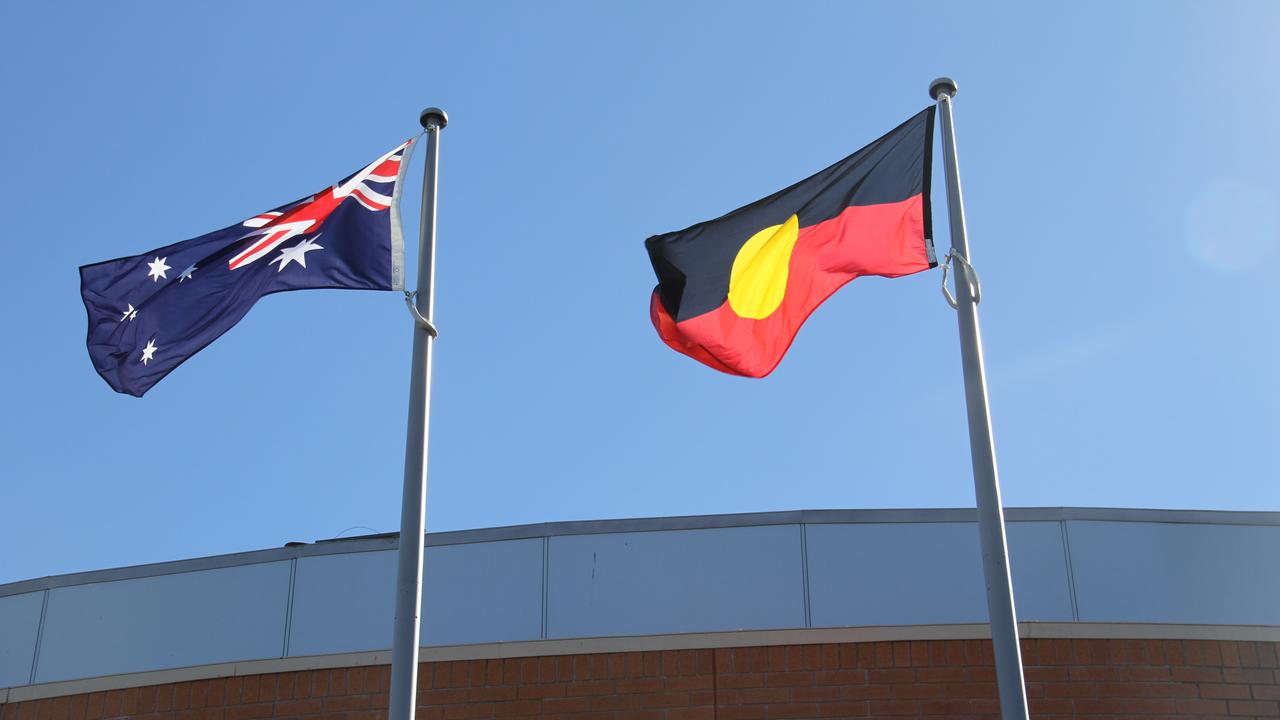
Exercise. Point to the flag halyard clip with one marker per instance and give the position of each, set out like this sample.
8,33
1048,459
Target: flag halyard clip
418,318
971,275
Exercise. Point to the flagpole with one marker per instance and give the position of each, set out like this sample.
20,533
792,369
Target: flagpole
995,554
413,503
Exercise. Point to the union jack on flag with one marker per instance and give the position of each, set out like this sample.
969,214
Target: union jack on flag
148,313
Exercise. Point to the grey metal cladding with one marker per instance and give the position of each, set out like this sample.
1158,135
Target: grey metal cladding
675,581
482,592
1176,573
342,603
167,621
19,625
1041,577
646,576
915,574
692,522
472,593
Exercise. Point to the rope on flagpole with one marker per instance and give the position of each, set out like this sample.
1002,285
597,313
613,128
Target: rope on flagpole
975,285
418,318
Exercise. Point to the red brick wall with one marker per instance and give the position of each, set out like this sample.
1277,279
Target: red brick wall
951,679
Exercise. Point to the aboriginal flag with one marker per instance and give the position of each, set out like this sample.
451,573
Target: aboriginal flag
732,292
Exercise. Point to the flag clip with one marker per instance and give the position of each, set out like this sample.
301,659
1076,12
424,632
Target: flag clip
418,318
971,275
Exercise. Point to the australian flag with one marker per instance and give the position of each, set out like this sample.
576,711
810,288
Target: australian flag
149,313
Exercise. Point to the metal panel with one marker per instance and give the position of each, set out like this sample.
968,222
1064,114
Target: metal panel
19,627
165,621
1176,573
587,527
658,575
342,603
675,581
929,573
1041,581
473,593
482,592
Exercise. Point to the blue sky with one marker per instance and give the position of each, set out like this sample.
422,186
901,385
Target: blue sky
1118,163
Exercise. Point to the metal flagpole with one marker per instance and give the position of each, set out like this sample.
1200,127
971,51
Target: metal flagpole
995,554
413,504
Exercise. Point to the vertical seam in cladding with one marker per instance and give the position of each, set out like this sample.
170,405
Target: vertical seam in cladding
546,562
35,652
288,608
1071,575
804,572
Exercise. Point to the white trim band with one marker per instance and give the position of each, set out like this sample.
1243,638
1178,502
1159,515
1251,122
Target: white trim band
642,643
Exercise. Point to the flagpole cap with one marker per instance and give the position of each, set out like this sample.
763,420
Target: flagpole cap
433,117
942,86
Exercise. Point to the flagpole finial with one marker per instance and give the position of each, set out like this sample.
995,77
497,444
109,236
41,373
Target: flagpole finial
942,86
433,117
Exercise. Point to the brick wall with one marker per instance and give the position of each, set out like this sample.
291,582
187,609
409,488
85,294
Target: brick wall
944,678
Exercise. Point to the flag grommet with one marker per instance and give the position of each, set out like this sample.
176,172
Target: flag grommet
418,318
970,275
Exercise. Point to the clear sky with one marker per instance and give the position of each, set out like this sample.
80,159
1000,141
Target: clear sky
1118,162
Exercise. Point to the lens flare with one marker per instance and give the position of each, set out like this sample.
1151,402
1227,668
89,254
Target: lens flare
1232,225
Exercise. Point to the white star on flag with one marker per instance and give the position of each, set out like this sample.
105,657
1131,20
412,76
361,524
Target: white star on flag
297,253
158,269
149,350
129,314
186,274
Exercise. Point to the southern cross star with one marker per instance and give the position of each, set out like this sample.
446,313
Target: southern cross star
129,314
158,269
186,274
149,350
297,253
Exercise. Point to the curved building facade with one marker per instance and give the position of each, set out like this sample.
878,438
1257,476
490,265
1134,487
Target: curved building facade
881,613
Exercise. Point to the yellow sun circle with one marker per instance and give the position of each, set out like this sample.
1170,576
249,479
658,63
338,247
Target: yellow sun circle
758,280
